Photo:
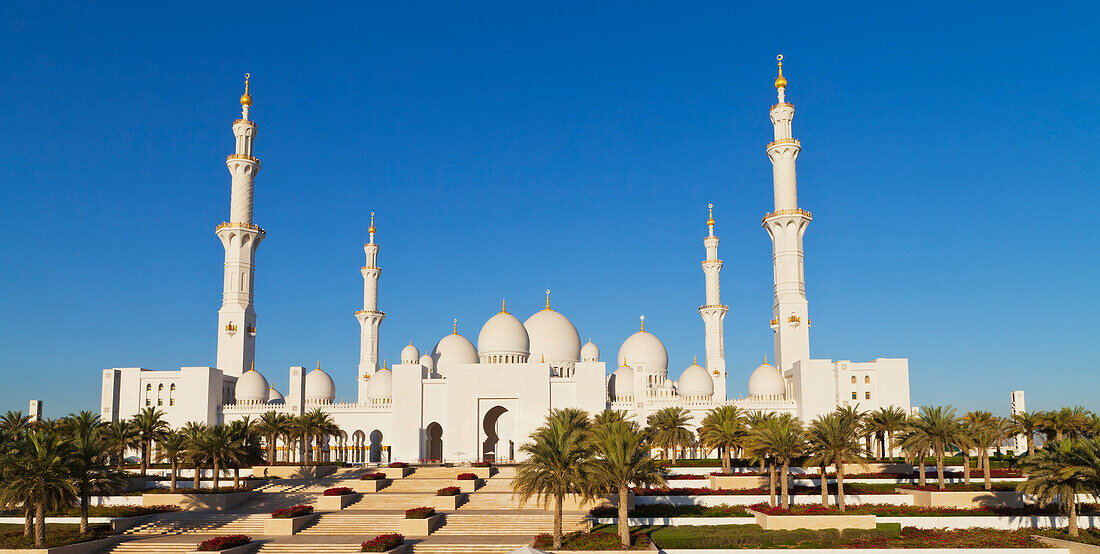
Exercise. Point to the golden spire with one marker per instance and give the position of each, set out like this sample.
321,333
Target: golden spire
547,299
253,366
246,99
503,305
710,212
371,229
765,359
318,364
456,326
780,81
694,360
643,323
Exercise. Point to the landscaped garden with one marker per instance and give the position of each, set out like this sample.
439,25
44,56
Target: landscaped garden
382,543
223,543
595,540
56,534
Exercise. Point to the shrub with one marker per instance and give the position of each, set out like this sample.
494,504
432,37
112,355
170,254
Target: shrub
752,536
396,465
373,476
223,542
595,540
382,543
467,477
448,491
124,511
423,512
482,464
293,511
338,491
669,510
942,539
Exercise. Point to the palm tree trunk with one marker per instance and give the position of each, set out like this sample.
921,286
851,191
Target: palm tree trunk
939,468
624,516
840,485
674,455
923,479
271,450
1073,532
217,473
236,477
785,490
175,470
198,474
771,482
558,498
28,519
83,508
824,487
1030,443
966,467
985,471
40,524
144,458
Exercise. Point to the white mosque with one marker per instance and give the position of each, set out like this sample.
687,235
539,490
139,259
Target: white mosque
461,401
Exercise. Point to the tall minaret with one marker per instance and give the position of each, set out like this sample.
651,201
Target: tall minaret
370,319
237,317
714,312
790,319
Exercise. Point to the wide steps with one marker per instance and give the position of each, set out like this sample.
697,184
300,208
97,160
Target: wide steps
392,501
447,548
223,523
504,524
146,547
353,523
299,548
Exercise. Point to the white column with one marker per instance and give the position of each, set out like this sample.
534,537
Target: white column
786,225
714,313
240,238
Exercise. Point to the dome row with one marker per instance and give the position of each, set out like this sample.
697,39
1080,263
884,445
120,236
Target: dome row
252,388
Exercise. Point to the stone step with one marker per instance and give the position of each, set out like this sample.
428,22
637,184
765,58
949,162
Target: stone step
142,547
299,548
447,548
353,523
177,524
392,501
504,524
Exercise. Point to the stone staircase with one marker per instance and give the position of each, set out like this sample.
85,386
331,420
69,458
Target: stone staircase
473,524
392,501
150,547
179,523
354,523
456,548
301,548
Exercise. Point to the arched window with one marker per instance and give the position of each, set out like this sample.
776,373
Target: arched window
853,379
148,394
867,379
172,395
867,395
160,394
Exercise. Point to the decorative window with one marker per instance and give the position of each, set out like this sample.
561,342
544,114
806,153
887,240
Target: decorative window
853,379
867,395
867,380
172,395
853,395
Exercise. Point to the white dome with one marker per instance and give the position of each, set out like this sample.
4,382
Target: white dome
695,380
453,349
589,352
251,387
503,334
621,382
427,361
380,384
644,350
766,380
553,337
275,397
319,387
409,354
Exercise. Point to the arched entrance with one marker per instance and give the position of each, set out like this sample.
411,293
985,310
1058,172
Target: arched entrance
376,446
435,442
358,440
498,444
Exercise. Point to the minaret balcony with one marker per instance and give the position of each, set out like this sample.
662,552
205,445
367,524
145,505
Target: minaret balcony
369,312
238,225
782,105
795,211
785,141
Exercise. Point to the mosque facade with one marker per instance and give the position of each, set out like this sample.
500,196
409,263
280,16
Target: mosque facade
460,401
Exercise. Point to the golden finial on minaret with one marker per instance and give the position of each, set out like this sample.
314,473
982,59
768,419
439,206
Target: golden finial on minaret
694,360
456,326
547,299
253,366
503,305
371,228
643,323
780,81
710,212
318,364
765,359
246,99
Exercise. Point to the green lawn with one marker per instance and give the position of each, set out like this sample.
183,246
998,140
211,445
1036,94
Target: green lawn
57,534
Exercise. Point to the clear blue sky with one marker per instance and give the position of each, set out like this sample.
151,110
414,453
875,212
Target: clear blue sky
948,158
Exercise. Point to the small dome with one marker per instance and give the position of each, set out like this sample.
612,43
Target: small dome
427,361
319,387
589,352
644,350
380,384
251,387
275,397
621,382
553,337
695,380
453,349
503,334
766,380
409,354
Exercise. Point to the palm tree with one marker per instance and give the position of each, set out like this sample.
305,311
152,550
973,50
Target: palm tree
622,459
89,465
219,444
784,439
195,452
118,437
916,446
246,447
938,427
272,425
885,423
1062,470
321,426
302,429
557,464
985,432
174,446
150,426
14,424
668,429
724,429
608,416
41,472
834,438
753,420
1027,424
1063,423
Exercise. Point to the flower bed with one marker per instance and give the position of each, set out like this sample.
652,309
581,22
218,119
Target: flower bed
940,539
448,491
338,491
1088,536
596,540
894,510
222,543
181,490
467,477
849,488
396,465
382,543
668,510
977,487
57,534
122,511
423,512
292,512
752,536
373,476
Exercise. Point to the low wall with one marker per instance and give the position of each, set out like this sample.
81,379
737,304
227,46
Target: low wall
965,499
79,548
874,551
1073,547
294,472
994,522
750,499
114,500
831,521
210,501
736,481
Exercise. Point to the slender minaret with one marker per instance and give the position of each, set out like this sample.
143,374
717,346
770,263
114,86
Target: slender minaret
790,319
370,319
714,312
237,317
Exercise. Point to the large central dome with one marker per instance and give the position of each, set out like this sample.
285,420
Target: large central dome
503,339
644,350
553,337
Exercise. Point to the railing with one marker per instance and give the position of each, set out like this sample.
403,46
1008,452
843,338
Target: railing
785,141
242,226
795,211
241,157
369,312
245,121
782,105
